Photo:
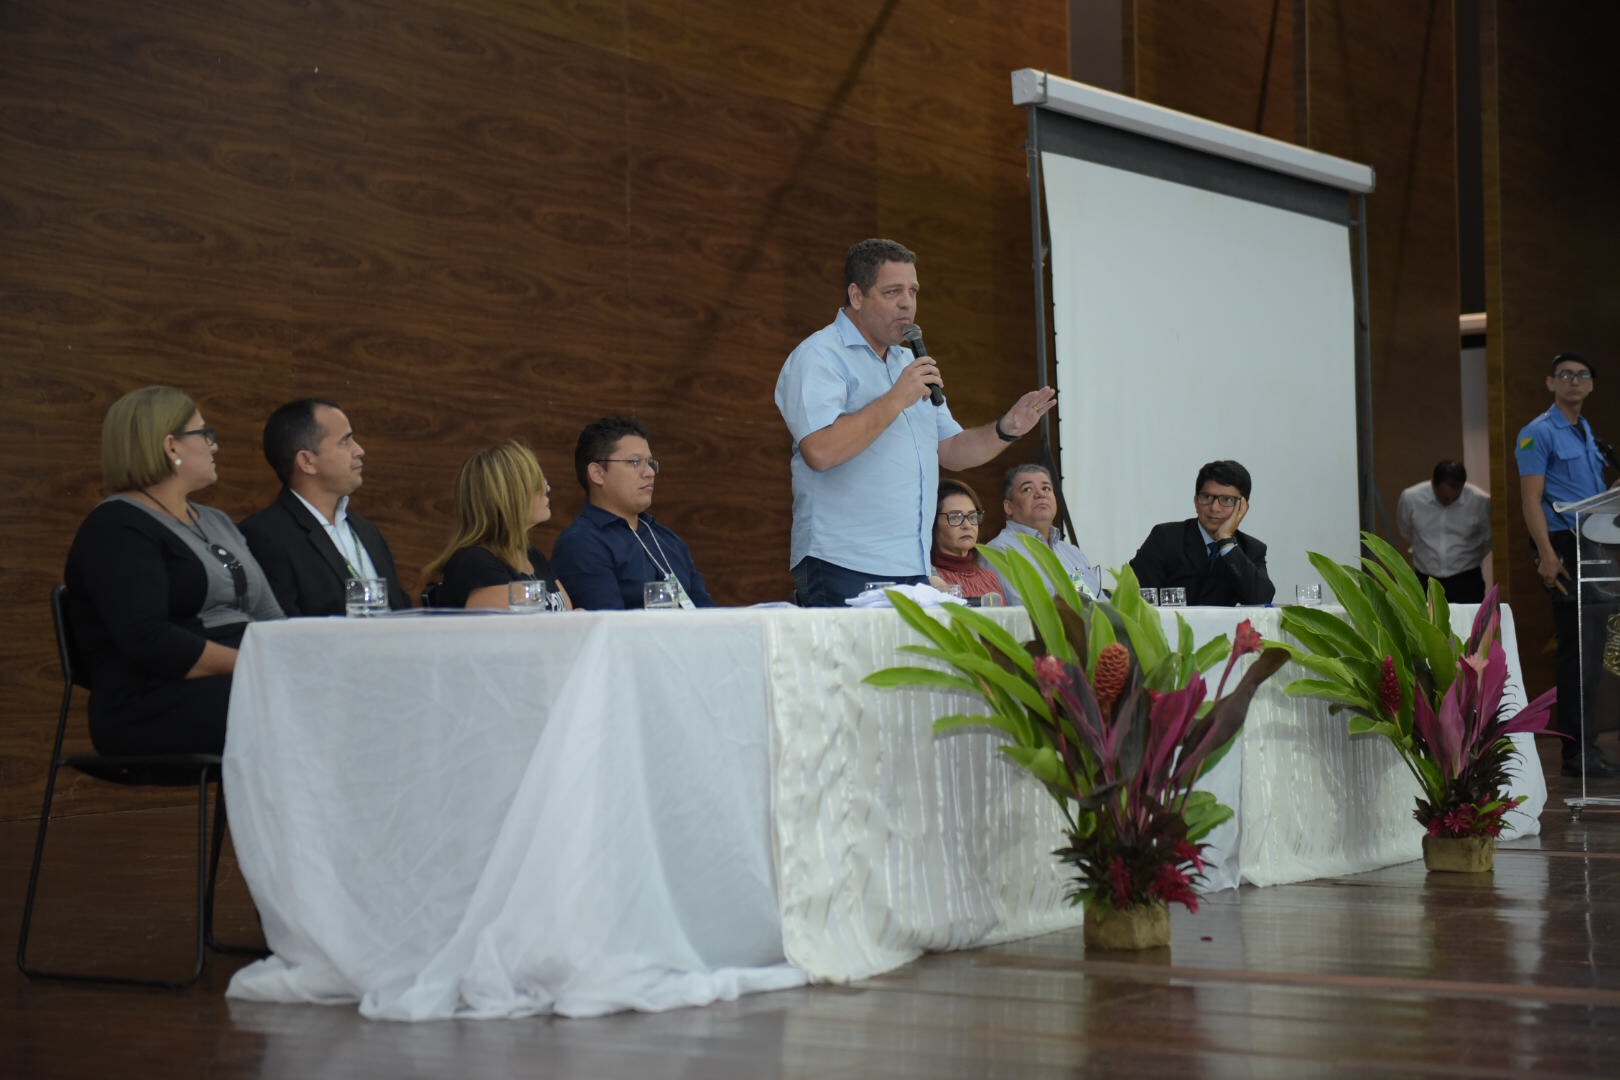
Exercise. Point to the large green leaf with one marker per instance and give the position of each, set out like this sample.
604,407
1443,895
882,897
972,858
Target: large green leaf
1102,636
1366,725
1058,585
1345,585
1012,685
1210,653
1038,603
1325,633
993,633
1042,762
920,676
1203,813
957,721
1406,579
1331,691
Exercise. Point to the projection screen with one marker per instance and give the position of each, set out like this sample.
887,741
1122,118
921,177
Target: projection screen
1203,307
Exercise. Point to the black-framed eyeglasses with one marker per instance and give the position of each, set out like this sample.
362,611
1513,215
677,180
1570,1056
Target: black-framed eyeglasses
209,435
1228,501
954,518
1567,376
237,570
634,462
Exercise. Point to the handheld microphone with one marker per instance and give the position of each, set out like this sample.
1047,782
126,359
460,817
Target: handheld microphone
913,340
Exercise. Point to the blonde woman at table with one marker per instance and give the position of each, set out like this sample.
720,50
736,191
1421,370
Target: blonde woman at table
956,532
500,495
160,589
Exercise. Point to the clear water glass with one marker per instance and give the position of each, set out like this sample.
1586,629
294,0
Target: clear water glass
1151,596
365,597
1171,596
1308,595
659,596
526,596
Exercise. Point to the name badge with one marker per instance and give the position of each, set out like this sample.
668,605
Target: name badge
681,598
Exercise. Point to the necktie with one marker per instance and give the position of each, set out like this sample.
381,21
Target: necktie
1214,551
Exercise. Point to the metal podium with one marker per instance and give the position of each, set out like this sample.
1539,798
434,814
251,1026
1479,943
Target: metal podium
1597,619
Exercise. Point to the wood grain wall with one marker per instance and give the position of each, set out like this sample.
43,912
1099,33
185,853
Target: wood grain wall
1552,168
478,219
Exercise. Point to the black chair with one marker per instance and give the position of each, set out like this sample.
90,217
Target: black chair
430,594
166,770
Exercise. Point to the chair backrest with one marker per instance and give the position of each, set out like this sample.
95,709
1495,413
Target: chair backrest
67,649
430,594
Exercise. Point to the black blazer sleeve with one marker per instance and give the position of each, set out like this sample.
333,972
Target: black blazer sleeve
1245,571
272,549
1154,561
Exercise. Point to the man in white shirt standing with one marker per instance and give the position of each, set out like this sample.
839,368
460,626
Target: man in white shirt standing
1448,523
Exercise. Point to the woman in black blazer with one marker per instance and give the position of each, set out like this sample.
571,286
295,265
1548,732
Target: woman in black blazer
159,589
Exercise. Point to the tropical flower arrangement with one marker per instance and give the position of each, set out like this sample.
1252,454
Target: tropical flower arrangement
1393,663
1107,714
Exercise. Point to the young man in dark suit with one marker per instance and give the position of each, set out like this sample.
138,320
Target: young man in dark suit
308,541
1206,554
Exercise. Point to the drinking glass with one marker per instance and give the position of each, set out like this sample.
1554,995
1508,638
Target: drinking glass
991,599
952,588
1172,596
1151,596
1309,595
365,597
659,596
526,596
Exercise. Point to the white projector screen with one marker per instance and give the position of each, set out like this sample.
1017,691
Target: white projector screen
1193,326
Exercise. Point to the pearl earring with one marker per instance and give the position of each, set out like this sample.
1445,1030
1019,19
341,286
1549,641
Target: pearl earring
177,463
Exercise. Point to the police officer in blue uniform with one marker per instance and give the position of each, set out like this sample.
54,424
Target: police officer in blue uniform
1561,461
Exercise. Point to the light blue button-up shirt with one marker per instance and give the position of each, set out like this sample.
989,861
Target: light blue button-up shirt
875,512
1086,575
1569,458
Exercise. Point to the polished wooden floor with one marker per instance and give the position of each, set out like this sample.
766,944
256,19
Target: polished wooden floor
1393,973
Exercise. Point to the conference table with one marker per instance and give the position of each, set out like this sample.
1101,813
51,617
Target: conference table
509,815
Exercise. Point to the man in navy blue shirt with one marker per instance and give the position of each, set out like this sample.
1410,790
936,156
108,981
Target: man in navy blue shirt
614,547
1560,460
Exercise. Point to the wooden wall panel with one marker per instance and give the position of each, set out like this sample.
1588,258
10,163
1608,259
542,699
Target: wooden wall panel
1231,61
477,219
1551,172
1381,92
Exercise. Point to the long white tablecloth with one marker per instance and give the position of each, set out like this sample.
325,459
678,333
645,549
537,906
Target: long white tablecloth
508,815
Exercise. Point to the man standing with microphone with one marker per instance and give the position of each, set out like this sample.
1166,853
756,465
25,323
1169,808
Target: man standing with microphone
871,430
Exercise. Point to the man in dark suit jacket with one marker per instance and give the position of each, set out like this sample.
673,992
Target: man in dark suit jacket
308,541
1206,554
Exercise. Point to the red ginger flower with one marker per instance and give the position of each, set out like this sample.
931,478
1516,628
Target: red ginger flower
1248,640
1390,689
1113,668
1172,886
1187,851
1119,876
1051,674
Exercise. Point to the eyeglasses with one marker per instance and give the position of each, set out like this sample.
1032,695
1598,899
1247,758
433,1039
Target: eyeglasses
234,565
1228,501
208,434
954,518
1567,376
635,462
